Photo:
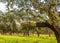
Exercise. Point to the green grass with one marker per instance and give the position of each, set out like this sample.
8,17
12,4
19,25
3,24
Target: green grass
19,39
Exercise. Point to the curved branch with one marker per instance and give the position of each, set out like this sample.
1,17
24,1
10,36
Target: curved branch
37,6
56,29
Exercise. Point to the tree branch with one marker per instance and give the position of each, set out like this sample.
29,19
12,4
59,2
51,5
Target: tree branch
49,8
31,12
46,24
37,6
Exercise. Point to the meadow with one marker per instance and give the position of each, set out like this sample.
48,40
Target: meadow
26,39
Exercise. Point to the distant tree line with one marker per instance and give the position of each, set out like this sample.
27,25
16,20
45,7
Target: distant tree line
9,25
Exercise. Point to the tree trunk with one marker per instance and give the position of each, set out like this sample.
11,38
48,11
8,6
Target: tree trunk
28,34
23,33
57,37
38,33
55,29
49,35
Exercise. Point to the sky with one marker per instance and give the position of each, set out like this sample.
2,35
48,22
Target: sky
2,7
58,9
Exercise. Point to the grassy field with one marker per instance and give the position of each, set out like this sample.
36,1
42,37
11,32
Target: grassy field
20,39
